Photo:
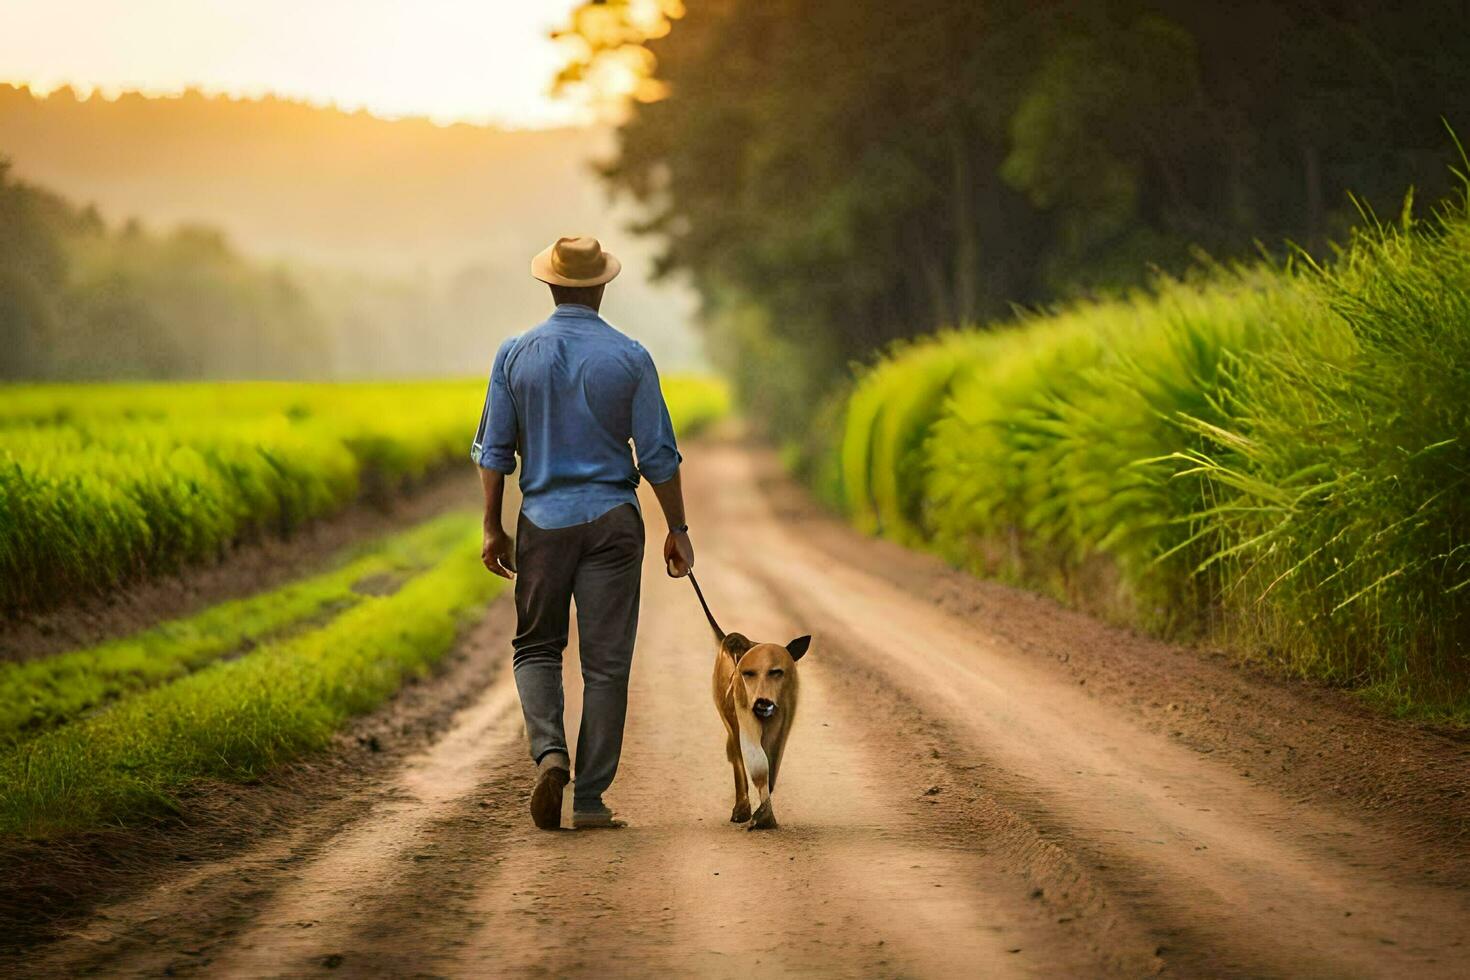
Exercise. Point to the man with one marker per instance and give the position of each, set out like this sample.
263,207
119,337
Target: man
569,395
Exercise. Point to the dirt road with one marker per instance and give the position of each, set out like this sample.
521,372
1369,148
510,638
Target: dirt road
979,784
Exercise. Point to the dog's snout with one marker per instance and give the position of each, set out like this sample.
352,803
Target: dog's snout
764,707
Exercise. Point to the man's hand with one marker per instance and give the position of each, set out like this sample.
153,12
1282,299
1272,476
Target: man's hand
498,552
678,554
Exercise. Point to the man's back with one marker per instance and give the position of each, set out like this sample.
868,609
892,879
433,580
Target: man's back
569,395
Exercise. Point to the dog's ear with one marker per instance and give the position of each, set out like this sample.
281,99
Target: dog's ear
735,644
798,646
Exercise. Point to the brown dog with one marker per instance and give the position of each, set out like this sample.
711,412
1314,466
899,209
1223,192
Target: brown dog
756,693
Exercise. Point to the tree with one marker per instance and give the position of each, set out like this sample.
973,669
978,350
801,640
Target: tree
838,174
32,268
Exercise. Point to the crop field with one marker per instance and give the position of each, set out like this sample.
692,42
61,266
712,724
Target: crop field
229,718
1272,458
103,484
36,695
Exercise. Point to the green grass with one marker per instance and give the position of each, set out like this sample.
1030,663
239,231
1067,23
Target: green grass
237,718
883,444
104,484
695,402
40,694
1275,459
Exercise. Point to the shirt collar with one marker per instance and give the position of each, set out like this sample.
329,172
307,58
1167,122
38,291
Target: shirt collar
576,310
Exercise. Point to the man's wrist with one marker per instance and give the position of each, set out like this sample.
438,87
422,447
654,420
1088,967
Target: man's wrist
679,529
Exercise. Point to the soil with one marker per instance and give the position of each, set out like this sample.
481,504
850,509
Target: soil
979,783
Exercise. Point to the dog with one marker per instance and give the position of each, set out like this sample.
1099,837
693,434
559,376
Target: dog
756,693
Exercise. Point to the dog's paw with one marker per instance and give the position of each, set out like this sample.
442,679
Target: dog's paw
764,819
741,813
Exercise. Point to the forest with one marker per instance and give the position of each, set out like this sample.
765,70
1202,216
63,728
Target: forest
839,174
82,299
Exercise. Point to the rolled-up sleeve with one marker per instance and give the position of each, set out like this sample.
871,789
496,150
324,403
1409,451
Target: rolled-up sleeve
495,440
653,430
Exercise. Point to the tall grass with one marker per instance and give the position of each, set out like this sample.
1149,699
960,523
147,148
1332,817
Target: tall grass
103,484
888,418
1273,458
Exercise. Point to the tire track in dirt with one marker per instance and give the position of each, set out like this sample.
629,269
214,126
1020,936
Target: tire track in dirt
684,892
856,883
192,915
313,920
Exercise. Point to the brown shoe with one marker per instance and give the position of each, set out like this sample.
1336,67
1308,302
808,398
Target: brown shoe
552,776
599,819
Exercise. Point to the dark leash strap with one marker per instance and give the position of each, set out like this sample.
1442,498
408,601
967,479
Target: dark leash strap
719,633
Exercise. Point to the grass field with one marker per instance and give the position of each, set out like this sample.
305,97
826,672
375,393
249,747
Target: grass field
1273,459
104,484
36,695
236,718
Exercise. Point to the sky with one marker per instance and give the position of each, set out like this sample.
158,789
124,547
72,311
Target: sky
480,61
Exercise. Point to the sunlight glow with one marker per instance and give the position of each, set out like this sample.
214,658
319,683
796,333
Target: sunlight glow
483,61
606,64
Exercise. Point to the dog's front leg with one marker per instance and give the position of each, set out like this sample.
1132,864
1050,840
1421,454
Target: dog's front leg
741,813
759,768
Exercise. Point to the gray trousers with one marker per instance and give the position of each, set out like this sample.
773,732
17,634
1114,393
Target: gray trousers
599,565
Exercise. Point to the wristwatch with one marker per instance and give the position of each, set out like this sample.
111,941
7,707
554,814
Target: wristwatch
681,529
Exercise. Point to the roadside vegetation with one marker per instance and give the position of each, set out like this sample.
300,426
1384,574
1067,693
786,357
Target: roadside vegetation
104,484
236,718
37,695
1274,459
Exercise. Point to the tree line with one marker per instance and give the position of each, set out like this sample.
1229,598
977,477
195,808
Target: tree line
80,299
84,298
410,239
836,175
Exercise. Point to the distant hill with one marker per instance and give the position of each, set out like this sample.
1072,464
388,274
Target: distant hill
352,193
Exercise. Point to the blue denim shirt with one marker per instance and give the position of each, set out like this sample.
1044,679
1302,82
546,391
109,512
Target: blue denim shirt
568,395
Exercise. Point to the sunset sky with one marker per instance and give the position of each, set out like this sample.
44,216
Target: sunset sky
452,60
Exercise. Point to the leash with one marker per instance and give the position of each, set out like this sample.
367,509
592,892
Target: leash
719,633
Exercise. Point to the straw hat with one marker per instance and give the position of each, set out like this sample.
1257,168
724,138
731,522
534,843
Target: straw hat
578,261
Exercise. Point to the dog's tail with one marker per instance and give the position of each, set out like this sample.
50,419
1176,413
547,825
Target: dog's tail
719,633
